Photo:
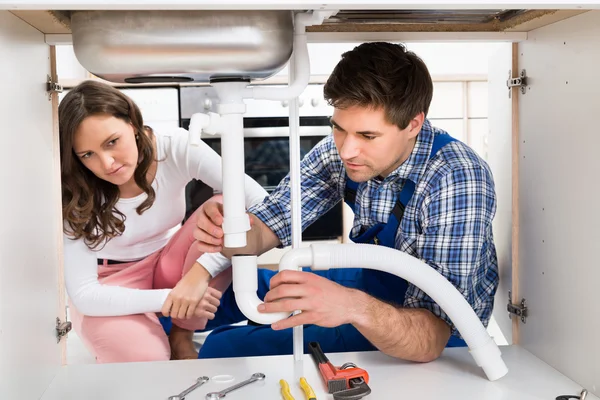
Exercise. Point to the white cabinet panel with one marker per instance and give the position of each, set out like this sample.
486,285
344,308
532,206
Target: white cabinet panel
499,158
31,227
558,176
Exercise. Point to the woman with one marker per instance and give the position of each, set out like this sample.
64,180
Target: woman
127,256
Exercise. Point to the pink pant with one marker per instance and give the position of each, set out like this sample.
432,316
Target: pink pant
141,337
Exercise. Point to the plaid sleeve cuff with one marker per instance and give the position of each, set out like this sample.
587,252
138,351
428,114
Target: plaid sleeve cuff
416,298
272,215
428,304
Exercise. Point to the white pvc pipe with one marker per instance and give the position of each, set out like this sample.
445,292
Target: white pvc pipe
295,204
245,284
235,220
481,346
231,108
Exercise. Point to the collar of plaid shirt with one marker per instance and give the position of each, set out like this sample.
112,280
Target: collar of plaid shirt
414,166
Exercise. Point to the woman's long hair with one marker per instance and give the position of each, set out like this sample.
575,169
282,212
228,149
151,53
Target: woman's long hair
88,202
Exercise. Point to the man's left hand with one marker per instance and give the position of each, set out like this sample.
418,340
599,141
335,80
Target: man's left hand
322,302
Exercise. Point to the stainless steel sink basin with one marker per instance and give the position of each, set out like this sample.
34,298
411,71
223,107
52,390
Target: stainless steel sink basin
182,46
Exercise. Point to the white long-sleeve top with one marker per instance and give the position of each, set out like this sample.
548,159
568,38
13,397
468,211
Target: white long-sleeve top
144,234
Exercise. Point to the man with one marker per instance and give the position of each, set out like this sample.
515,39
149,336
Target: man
411,186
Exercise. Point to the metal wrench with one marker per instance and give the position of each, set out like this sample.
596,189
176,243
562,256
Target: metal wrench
199,382
219,395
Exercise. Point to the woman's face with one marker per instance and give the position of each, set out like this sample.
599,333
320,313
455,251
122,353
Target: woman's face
106,145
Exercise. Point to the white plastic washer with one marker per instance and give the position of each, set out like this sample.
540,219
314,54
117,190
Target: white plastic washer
223,378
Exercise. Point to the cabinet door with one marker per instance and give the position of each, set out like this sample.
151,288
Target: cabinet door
558,175
500,161
30,218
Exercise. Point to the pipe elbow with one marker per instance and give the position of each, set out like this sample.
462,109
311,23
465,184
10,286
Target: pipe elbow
245,282
248,303
245,286
296,259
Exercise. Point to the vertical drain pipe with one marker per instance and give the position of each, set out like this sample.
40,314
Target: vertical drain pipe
231,109
295,204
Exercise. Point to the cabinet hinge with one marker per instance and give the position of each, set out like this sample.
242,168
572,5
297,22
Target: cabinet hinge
520,310
62,328
520,81
52,87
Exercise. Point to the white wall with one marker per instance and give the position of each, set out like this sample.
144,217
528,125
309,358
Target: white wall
460,58
456,58
30,226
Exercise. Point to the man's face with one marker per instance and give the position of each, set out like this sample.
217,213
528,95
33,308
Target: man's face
368,145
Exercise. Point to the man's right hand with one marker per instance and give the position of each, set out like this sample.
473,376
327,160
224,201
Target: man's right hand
209,231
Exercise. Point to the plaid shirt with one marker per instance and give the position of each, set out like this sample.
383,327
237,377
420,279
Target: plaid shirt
447,223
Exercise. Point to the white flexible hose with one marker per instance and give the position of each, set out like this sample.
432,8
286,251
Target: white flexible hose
482,347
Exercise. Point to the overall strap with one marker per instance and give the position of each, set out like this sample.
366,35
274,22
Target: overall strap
350,192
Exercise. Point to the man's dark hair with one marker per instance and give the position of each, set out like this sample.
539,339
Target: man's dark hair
381,75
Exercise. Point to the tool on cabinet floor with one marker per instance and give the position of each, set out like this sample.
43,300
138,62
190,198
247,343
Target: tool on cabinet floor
199,382
287,394
347,382
581,396
308,391
285,390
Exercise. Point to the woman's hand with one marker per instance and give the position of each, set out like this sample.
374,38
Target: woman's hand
192,297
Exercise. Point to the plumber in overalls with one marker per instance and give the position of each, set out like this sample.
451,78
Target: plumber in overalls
412,187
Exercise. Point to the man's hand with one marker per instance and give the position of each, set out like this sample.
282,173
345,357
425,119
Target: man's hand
209,231
192,297
322,302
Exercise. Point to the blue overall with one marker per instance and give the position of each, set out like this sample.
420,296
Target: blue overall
250,340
